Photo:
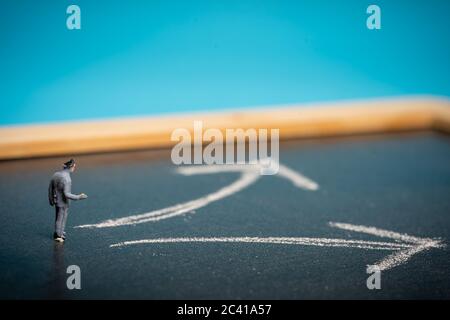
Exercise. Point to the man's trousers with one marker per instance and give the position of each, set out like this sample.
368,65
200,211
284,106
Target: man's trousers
60,220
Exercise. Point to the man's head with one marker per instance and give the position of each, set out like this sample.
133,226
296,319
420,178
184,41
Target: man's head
70,165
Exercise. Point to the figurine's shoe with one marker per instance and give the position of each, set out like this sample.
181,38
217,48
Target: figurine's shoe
59,239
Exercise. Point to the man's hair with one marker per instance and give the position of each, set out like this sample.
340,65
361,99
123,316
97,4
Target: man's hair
69,164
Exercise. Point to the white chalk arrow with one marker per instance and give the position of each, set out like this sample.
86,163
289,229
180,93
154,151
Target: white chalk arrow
404,246
249,175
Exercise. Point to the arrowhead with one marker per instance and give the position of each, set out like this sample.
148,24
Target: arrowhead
399,257
297,179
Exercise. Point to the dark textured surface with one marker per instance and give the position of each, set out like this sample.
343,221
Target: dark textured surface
398,182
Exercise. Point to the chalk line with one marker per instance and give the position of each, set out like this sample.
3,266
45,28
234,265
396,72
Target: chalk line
397,258
379,232
321,242
244,181
295,177
404,247
249,175
403,256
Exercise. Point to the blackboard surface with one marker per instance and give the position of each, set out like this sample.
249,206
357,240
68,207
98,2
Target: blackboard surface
397,182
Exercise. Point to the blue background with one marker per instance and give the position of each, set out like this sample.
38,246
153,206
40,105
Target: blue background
151,57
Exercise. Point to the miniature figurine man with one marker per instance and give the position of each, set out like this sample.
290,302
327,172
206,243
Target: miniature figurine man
59,195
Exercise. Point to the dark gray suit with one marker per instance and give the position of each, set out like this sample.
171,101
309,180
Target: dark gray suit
59,195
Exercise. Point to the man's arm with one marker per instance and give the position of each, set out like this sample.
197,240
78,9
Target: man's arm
71,196
51,194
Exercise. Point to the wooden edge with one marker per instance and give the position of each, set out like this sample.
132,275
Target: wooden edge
349,118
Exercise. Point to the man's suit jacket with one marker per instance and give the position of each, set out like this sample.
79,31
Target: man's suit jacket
59,189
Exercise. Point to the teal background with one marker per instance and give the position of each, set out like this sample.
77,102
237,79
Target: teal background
152,57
